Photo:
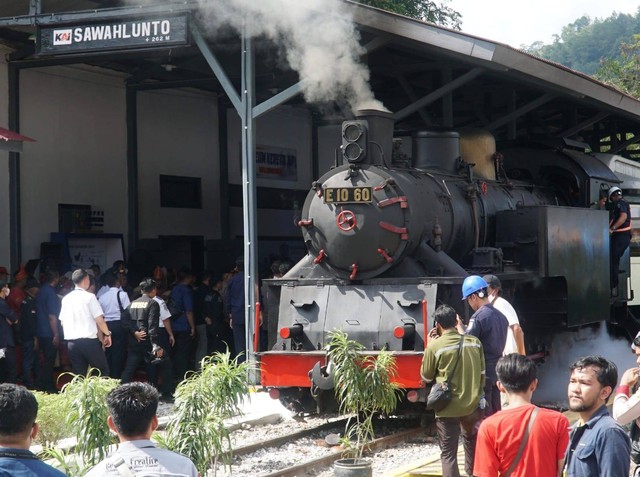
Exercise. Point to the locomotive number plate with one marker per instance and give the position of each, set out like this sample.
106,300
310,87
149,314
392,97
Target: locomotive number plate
359,195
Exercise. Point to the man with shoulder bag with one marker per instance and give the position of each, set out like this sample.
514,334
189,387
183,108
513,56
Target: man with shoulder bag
455,362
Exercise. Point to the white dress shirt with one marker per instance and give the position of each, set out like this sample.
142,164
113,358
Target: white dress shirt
78,314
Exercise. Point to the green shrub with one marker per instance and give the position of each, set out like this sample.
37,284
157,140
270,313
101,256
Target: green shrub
87,400
363,387
53,426
202,402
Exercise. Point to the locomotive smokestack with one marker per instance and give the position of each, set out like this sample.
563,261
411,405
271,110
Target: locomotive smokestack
380,141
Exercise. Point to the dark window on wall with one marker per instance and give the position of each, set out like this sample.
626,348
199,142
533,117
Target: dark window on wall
74,218
180,191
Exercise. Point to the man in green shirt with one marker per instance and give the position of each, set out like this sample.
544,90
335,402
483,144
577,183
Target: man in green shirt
463,412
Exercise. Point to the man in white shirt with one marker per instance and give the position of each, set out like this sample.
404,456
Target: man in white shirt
132,416
515,335
84,327
113,302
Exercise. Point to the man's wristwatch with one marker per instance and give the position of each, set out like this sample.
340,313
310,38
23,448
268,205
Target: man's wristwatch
107,334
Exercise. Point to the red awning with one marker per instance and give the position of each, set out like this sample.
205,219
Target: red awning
7,135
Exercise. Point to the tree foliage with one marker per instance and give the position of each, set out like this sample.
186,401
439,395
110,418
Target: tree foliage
431,11
583,43
623,72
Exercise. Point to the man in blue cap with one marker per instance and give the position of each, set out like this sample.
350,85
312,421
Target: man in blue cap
490,327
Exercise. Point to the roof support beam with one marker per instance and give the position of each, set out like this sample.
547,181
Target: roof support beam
278,99
584,124
414,98
437,94
521,111
217,69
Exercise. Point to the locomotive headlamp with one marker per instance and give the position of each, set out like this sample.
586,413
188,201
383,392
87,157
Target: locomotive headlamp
354,140
294,331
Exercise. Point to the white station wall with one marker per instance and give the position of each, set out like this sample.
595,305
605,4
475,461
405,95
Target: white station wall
178,136
78,119
285,127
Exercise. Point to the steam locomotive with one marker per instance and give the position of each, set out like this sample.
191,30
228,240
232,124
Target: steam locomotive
389,238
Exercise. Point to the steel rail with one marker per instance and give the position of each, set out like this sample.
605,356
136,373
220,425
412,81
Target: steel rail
325,461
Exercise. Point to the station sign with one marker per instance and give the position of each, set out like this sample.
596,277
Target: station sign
115,34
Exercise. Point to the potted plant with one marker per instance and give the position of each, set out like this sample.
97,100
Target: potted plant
363,389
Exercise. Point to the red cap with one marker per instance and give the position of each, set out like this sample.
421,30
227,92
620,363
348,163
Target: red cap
3,271
22,274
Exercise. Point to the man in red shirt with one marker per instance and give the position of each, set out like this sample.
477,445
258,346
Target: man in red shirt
500,435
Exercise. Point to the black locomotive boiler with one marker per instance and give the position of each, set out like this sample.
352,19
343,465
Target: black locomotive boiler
389,238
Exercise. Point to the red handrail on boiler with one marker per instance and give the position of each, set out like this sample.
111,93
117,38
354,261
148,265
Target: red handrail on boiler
424,321
256,331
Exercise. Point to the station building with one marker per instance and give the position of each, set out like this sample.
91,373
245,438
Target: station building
138,148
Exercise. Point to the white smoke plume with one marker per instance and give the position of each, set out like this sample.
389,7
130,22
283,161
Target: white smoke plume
566,348
317,37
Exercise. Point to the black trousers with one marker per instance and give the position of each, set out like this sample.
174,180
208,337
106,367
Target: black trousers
49,353
165,370
492,395
9,366
85,352
181,356
117,352
448,435
619,242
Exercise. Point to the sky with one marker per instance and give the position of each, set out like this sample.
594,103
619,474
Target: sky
517,22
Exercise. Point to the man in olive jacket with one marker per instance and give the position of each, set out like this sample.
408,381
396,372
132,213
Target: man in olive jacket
463,412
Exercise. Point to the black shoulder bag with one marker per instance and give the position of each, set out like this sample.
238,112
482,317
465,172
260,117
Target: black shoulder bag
440,395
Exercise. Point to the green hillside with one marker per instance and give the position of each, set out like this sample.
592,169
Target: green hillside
585,44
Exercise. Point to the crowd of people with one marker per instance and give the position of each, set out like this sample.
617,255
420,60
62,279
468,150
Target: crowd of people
511,436
86,318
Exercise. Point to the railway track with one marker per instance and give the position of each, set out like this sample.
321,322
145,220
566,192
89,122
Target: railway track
325,461
278,441
306,451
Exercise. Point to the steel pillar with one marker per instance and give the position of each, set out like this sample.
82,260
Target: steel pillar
15,209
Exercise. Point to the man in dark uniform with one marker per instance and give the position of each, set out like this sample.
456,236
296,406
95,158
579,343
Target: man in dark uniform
48,329
28,328
8,364
490,327
219,335
619,234
142,323
235,305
